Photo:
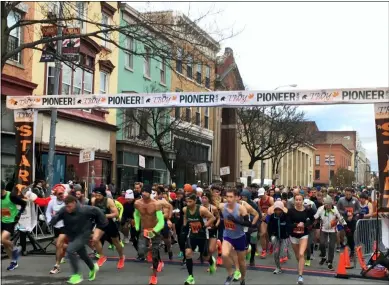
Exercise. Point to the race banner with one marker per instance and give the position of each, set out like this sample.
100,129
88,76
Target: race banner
203,99
24,140
382,133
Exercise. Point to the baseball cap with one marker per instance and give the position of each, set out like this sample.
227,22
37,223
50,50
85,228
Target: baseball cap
278,205
129,194
261,191
199,190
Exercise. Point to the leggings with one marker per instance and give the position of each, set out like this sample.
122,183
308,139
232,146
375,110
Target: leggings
277,248
77,245
143,248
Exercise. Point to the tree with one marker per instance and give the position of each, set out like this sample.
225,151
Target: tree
343,177
271,132
144,28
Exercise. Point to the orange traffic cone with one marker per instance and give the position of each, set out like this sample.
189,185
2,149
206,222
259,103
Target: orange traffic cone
347,263
341,271
375,254
361,260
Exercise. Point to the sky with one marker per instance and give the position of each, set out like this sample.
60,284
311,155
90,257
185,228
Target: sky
313,45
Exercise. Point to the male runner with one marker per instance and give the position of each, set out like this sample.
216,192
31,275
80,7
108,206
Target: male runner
264,203
10,216
167,210
236,219
55,204
111,231
197,220
149,220
77,221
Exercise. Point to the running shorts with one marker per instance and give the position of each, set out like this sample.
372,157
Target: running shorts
202,244
8,227
239,244
297,240
212,233
58,231
110,231
165,232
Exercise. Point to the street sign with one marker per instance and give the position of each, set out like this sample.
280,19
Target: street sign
224,170
49,49
71,47
142,161
202,167
87,155
248,173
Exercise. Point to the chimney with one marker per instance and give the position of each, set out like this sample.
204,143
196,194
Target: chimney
228,51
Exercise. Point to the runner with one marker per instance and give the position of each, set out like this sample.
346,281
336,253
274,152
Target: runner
299,221
197,220
56,204
167,210
149,220
110,232
77,221
264,203
366,207
234,237
10,216
308,204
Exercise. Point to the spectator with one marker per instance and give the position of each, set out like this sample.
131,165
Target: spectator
37,189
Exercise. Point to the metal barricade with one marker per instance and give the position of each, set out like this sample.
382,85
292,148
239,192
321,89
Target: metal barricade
365,235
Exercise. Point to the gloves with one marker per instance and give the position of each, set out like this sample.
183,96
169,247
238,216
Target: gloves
31,196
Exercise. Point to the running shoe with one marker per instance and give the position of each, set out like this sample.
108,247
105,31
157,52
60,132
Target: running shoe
101,261
75,279
111,247
322,261
153,280
277,271
263,254
92,273
160,267
12,266
237,275
219,260
180,255
212,268
139,259
271,249
300,280
307,263
121,243
229,280
63,260
96,254
248,253
284,259
330,267
121,263
190,280
126,240
55,270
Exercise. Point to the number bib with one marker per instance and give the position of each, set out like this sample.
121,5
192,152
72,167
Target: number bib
195,227
5,212
229,225
349,210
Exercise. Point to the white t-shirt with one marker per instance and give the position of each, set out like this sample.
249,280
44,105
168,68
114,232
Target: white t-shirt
52,208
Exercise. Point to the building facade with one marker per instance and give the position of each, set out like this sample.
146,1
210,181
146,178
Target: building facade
229,78
16,80
96,73
139,75
328,160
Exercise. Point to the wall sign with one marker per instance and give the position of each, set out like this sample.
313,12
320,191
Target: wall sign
203,99
87,155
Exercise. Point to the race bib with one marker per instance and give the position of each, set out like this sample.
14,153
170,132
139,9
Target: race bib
349,210
298,230
333,223
195,227
229,225
5,212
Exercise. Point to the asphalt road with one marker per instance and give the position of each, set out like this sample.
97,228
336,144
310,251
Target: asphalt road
34,269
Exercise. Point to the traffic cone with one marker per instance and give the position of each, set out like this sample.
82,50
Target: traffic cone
341,270
374,256
347,263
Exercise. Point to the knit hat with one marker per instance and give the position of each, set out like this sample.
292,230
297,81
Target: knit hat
100,190
327,200
188,188
278,205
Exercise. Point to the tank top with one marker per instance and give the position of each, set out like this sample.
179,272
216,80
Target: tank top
196,224
365,209
232,230
103,205
8,209
264,206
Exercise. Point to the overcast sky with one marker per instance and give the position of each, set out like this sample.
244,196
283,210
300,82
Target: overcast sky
313,45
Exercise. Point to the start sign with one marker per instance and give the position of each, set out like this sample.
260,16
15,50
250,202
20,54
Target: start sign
87,155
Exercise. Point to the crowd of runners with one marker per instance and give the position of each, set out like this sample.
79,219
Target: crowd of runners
226,226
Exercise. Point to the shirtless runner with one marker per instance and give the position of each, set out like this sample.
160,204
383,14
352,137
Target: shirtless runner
149,221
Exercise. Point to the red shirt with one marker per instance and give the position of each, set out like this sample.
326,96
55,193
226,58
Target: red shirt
121,200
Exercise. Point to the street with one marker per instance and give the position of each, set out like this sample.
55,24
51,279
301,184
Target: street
34,269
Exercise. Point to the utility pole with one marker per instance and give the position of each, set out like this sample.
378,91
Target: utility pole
53,121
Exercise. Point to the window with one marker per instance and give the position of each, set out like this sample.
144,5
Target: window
188,114
15,34
66,79
198,116
179,60
50,78
317,160
332,174
77,81
198,73
207,77
104,21
206,117
317,174
189,71
81,14
103,83
146,63
163,71
129,55
88,82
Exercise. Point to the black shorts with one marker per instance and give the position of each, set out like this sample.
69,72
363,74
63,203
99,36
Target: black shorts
8,227
58,231
165,232
110,231
212,233
202,244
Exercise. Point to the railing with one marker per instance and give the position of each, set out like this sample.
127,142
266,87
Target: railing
366,232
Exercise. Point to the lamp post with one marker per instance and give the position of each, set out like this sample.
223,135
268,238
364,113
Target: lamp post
329,158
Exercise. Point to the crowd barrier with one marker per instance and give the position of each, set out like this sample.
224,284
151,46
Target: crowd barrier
365,235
